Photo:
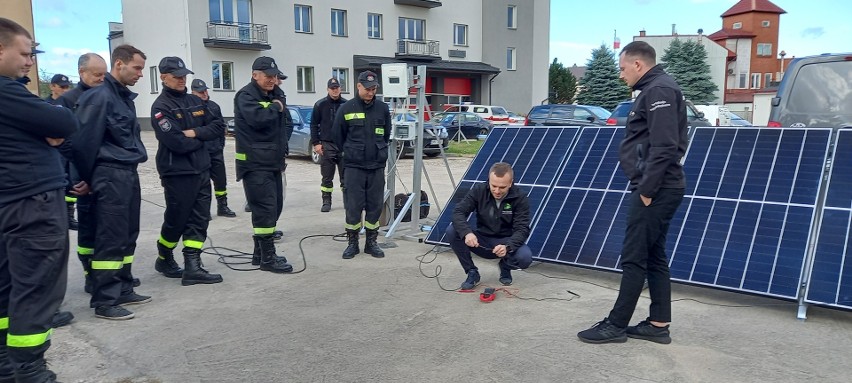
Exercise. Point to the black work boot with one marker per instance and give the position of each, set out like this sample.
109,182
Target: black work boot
268,260
193,273
326,202
72,223
352,249
35,372
222,209
166,262
371,246
86,260
255,256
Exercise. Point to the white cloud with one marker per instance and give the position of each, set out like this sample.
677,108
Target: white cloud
53,22
570,52
64,60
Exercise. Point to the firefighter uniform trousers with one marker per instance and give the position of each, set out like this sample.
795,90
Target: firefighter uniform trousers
365,191
265,195
86,230
33,273
187,210
217,173
331,159
116,202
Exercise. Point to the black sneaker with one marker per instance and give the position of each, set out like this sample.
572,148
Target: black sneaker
471,281
603,332
61,318
645,330
505,274
132,299
113,313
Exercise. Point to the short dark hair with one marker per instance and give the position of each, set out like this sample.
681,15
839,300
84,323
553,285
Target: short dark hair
10,29
125,53
500,169
642,51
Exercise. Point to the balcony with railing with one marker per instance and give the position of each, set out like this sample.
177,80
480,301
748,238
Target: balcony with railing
424,49
233,35
419,3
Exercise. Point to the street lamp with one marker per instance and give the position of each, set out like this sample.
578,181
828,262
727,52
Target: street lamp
782,54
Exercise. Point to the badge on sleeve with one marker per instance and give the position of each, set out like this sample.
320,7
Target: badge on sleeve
165,125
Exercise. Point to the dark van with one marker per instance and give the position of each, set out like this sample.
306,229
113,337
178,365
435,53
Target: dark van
816,91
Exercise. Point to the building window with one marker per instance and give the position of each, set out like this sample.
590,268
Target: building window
305,79
155,80
743,81
755,80
411,29
767,79
303,18
342,76
510,59
738,25
513,17
765,23
764,49
460,34
374,25
223,75
223,11
338,22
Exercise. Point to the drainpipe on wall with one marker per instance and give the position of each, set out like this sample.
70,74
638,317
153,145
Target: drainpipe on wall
490,85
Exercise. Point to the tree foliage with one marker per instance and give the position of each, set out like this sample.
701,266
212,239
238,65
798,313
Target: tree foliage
562,84
601,84
686,62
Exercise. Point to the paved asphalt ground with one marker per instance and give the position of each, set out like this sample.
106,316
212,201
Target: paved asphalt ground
381,320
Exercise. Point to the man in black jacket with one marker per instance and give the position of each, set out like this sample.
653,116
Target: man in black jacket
215,148
260,115
361,131
502,226
654,143
321,138
182,125
107,151
59,84
33,220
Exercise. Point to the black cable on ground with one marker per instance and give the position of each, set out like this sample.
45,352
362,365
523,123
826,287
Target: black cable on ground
239,258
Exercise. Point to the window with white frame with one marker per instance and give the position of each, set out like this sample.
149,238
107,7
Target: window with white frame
742,82
305,79
229,11
513,17
738,25
155,80
765,23
374,25
342,76
223,75
303,18
510,59
764,49
460,34
755,80
767,78
338,22
411,29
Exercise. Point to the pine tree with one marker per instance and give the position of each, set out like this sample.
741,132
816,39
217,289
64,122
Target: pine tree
563,84
601,85
686,62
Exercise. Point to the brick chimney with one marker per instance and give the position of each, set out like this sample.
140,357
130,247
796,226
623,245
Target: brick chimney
642,33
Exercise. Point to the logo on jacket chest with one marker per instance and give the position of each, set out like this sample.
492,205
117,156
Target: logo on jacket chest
507,209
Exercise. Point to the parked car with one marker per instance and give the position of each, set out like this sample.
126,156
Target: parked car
471,125
515,118
434,138
738,121
814,93
497,115
622,110
566,115
300,140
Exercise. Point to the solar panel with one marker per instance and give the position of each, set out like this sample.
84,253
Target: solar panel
830,279
536,155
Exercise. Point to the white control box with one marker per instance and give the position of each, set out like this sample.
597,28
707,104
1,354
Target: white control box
395,80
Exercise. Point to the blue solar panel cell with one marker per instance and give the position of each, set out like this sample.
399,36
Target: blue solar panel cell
830,259
811,167
840,184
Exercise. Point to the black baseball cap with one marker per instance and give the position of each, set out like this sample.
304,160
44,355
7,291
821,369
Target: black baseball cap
198,85
282,76
266,65
368,79
61,80
175,66
333,83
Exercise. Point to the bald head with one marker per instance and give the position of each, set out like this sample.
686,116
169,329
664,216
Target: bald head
92,68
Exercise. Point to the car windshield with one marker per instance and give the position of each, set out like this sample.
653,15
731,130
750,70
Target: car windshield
622,110
306,114
601,113
449,118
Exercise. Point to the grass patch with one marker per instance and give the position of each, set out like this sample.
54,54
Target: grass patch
469,147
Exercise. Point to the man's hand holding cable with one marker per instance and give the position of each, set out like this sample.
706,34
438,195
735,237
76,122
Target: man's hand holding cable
500,251
470,240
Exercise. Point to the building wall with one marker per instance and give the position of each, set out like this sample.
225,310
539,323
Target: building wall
181,32
520,89
21,12
716,56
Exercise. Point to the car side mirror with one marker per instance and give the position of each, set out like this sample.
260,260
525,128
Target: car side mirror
776,101
700,114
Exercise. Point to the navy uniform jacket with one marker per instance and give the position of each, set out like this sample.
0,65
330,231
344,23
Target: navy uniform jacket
69,98
655,138
215,146
511,219
322,118
173,112
28,164
361,132
109,131
262,130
